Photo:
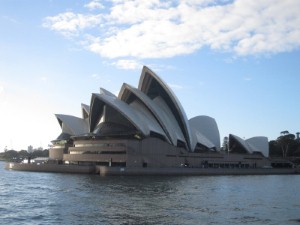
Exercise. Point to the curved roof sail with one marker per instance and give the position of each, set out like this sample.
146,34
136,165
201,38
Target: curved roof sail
122,112
199,138
148,118
169,119
208,127
106,92
238,144
129,94
72,125
85,109
251,145
153,87
259,144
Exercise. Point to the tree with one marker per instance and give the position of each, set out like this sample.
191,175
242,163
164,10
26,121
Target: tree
274,148
40,153
17,156
298,135
11,155
283,133
225,144
285,140
23,154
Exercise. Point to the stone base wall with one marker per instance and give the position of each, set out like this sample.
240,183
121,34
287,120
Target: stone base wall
53,168
110,171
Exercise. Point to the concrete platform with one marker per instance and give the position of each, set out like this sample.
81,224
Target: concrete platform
124,171
52,168
109,171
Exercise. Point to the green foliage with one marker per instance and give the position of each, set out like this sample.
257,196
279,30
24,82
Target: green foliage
10,155
274,148
285,145
225,144
40,153
18,156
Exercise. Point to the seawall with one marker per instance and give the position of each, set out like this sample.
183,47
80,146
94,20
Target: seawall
53,168
123,171
108,171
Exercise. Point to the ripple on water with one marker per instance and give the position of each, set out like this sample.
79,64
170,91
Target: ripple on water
45,198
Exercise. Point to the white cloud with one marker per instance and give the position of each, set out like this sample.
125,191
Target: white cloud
95,4
70,24
158,29
128,64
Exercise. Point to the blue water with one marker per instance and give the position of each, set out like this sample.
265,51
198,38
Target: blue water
49,198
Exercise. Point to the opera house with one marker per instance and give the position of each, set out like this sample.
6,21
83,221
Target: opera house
146,127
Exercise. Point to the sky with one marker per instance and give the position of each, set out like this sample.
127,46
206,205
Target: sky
236,61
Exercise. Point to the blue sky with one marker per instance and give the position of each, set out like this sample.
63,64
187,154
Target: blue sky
236,61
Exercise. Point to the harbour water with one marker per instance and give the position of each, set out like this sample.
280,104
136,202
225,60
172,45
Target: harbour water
53,198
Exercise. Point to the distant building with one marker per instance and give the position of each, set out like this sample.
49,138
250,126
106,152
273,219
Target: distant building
147,127
40,149
30,149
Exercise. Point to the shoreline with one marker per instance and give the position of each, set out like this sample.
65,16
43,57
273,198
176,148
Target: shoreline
131,171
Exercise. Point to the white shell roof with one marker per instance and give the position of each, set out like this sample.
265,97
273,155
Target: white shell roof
85,111
152,107
254,144
197,137
72,125
147,77
242,142
106,92
170,121
259,144
124,109
148,118
208,127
